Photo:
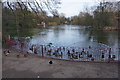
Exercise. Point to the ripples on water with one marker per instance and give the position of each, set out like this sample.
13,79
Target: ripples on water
75,36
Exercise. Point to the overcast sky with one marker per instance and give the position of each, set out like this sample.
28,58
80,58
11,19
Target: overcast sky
73,7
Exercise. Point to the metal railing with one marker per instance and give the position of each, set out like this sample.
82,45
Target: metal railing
98,54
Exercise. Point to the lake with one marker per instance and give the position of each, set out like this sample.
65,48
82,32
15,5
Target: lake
68,36
76,36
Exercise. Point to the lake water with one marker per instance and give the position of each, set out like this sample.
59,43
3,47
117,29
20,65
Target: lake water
76,36
69,36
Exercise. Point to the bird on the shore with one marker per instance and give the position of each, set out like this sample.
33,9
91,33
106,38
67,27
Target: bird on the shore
50,62
38,76
6,52
50,44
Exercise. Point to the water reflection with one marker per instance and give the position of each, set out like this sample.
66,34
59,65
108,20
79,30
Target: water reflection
109,38
71,37
67,35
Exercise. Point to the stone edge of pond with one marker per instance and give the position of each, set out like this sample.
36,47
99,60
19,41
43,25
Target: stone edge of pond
80,61
38,56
